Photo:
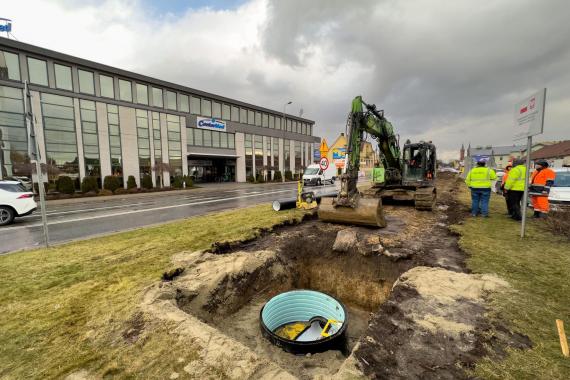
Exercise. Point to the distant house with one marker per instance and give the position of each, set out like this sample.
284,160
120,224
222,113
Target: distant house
499,156
557,154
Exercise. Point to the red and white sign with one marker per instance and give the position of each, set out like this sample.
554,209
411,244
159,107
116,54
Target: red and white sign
529,115
324,163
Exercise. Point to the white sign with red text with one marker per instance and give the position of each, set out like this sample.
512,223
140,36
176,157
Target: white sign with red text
529,115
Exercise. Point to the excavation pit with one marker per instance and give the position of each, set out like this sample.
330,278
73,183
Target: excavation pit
228,291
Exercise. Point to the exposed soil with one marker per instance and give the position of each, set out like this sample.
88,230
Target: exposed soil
413,311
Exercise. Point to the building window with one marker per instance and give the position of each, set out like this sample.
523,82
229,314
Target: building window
171,100
106,84
125,90
275,143
235,114
289,125
243,115
277,123
60,138
250,117
37,70
206,108
14,159
157,143
86,84
157,100
298,160
267,145
195,105
286,155
143,142
207,138
215,139
9,66
184,103
226,113
63,77
258,119
258,155
90,138
115,141
295,127
310,129
272,122
142,94
248,143
216,110
174,145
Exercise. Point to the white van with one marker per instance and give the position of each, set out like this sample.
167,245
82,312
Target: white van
313,175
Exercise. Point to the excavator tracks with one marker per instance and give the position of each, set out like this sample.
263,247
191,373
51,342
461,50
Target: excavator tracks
424,198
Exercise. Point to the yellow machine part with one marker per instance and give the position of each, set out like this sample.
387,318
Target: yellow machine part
292,330
368,212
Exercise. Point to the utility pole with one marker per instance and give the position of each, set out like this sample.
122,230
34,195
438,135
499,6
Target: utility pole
34,153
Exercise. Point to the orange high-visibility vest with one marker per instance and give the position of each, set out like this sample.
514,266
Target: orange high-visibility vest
539,177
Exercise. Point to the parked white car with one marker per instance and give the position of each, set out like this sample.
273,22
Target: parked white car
560,190
15,201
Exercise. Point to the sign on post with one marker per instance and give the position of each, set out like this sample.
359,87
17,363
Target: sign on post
324,163
529,115
529,121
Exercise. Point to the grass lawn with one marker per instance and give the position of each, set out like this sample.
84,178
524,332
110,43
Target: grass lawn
70,307
538,268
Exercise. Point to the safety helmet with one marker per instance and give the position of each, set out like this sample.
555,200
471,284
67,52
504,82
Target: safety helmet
542,163
481,162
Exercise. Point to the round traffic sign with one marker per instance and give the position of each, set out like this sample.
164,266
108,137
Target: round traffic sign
324,163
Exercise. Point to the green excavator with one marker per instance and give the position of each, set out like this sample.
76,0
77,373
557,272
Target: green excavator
407,176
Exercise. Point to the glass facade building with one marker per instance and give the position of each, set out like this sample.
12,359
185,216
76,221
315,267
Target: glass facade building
97,120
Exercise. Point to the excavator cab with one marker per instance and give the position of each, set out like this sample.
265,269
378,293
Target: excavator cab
419,164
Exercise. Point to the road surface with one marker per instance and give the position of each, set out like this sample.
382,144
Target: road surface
81,218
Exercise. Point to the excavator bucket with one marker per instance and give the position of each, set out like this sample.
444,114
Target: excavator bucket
368,212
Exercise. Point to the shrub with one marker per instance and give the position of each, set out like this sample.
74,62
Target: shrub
277,176
259,178
105,192
121,190
288,175
65,185
131,183
89,184
146,182
111,183
189,181
36,189
251,179
177,182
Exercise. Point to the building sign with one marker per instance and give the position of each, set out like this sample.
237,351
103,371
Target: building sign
6,26
339,153
209,123
529,115
478,158
200,163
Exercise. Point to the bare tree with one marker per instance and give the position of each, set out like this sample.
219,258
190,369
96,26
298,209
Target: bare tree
160,168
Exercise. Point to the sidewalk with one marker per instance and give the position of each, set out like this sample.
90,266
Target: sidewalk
200,188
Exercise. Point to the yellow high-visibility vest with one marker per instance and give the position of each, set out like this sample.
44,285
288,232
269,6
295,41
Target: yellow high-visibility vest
516,179
480,177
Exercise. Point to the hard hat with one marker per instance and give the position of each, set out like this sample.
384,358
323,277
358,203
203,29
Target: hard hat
542,163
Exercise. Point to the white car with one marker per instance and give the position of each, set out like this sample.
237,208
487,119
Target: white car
560,190
15,201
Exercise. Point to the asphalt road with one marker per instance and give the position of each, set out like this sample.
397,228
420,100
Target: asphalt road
78,219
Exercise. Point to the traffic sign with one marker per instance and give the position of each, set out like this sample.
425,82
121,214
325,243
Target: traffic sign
324,163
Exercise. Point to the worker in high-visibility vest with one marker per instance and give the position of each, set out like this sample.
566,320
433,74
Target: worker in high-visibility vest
515,188
541,180
479,181
504,192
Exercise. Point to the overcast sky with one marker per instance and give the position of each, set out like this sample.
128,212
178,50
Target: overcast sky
447,71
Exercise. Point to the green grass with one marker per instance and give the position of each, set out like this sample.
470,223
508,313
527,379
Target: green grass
66,308
538,268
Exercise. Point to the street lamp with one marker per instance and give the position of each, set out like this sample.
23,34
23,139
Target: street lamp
283,125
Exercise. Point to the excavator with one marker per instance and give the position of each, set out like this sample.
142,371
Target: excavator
407,176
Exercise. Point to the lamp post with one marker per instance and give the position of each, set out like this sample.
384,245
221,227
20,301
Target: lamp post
283,128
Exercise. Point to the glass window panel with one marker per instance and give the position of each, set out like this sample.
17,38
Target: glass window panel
116,150
50,110
89,139
271,121
12,105
10,92
66,148
226,113
89,127
172,118
174,136
195,105
113,118
56,99
115,141
231,140
63,77
143,132
58,137
125,90
156,134
258,119
250,117
277,123
91,149
59,124
215,139
141,113
171,100
86,84
190,136
289,125
106,84
184,103
87,104
37,70
235,114
88,115
207,138
206,108
223,140
216,110
198,137
10,119
13,133
9,66
142,93
243,115
157,99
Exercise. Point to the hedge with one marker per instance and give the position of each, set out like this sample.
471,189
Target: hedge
65,185
89,184
111,183
131,182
